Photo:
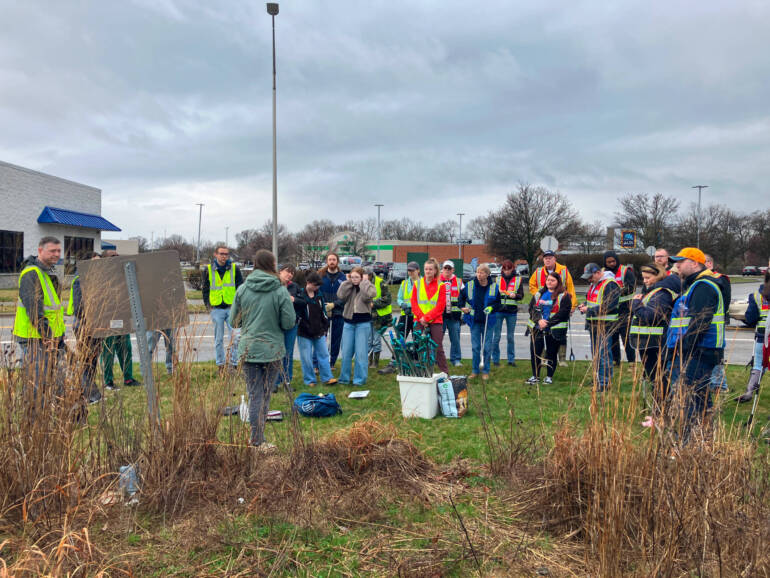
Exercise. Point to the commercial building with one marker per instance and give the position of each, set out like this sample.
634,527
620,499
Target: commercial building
36,205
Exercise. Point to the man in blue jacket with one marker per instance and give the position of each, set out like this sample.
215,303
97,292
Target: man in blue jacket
331,279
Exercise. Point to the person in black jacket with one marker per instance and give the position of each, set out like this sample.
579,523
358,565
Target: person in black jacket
313,324
549,312
511,289
650,312
601,311
626,280
756,316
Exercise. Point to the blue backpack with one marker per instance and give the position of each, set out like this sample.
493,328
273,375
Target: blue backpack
317,405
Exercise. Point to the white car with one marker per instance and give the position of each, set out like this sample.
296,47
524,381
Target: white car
495,269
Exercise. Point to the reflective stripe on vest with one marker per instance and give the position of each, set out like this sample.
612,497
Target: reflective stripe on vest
221,288
619,277
714,337
507,292
425,303
382,311
407,286
764,306
542,274
453,292
71,302
52,309
471,285
637,329
595,298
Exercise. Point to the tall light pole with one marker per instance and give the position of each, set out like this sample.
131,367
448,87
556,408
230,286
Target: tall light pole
272,9
697,220
459,237
379,230
227,234
198,246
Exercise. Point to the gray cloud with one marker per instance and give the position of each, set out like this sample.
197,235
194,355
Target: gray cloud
431,108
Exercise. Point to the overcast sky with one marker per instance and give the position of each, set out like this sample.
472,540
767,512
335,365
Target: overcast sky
431,108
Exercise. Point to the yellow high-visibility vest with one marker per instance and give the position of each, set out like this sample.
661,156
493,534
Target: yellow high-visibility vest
52,309
221,289
382,311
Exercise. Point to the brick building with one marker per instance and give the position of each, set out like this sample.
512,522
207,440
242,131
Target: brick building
444,251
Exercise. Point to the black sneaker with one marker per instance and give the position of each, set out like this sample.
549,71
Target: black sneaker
131,382
512,363
111,386
532,380
95,398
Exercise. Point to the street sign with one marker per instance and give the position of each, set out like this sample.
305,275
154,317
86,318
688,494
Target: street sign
549,243
464,241
650,250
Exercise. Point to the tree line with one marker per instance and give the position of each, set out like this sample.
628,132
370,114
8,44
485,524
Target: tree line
516,228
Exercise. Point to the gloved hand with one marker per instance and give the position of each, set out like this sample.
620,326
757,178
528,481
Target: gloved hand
488,310
407,310
329,307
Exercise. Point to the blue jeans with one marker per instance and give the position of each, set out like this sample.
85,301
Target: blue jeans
510,320
310,349
335,328
477,329
757,356
260,378
153,337
718,380
601,351
375,340
219,319
453,327
355,341
289,338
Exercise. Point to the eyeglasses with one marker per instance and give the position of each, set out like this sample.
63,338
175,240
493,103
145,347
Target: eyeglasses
448,267
224,254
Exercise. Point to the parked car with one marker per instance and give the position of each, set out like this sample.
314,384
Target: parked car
522,269
348,262
737,309
397,273
467,272
380,268
750,270
495,269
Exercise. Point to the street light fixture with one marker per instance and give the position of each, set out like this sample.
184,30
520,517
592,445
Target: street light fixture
697,220
272,9
379,230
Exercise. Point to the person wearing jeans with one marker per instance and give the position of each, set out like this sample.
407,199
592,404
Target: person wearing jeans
452,314
357,293
312,326
263,310
286,274
511,291
428,306
220,282
331,279
153,338
480,300
601,311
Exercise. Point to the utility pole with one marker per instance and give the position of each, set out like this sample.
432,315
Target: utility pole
227,233
379,230
272,9
459,238
697,220
198,246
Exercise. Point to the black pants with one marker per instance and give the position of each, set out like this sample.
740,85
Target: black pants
654,361
621,332
405,324
540,341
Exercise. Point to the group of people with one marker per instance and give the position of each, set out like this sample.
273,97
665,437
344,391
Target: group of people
674,321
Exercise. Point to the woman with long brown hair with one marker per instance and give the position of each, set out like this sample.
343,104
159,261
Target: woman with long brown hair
428,304
549,312
357,294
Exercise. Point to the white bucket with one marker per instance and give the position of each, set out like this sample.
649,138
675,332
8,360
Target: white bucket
419,397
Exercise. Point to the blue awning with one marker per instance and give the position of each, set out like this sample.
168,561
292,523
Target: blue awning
107,246
75,219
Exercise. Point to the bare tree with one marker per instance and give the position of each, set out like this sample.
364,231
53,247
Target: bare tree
529,214
591,238
178,243
142,243
313,240
252,240
724,234
759,243
477,228
652,216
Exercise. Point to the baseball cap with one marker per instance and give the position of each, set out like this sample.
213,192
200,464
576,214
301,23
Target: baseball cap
689,253
412,266
549,254
589,270
448,263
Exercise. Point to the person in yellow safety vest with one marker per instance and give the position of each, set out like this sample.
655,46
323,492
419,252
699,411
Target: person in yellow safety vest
511,291
537,279
220,281
88,347
381,316
756,316
452,313
625,278
601,311
39,327
404,300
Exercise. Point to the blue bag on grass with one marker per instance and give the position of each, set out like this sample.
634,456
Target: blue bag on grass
317,405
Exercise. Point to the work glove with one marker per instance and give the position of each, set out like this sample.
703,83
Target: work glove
488,310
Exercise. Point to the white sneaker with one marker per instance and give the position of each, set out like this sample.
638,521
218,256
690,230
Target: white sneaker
548,380
532,380
265,448
457,364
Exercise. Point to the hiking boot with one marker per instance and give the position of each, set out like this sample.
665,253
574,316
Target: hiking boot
548,381
131,382
532,380
752,386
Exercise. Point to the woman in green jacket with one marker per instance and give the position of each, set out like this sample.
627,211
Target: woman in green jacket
263,310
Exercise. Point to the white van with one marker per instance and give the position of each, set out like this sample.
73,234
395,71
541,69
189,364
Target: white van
348,262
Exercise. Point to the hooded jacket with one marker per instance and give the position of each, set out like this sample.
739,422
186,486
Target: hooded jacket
263,310
629,280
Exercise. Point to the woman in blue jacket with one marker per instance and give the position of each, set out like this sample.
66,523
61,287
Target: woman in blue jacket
479,300
756,316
